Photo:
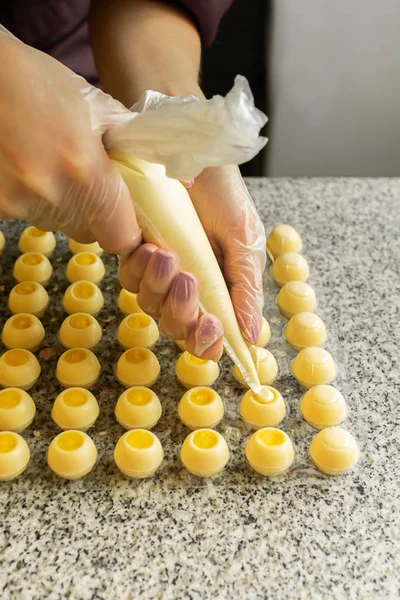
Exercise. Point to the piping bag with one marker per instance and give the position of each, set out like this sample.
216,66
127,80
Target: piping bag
169,140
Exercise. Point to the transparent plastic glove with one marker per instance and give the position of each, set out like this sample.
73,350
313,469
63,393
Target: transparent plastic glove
173,296
187,135
54,169
237,236
56,173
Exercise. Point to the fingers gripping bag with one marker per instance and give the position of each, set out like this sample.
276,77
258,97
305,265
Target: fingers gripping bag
163,141
169,140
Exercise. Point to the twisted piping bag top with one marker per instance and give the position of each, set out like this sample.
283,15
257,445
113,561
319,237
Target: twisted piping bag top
178,138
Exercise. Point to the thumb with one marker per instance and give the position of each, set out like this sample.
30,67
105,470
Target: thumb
110,212
244,262
244,278
112,220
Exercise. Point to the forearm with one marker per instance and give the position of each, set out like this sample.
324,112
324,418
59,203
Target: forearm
144,44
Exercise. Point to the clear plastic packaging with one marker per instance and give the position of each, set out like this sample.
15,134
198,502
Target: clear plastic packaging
154,144
187,134
300,430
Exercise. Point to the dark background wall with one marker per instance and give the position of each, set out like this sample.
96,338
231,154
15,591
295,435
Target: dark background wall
241,48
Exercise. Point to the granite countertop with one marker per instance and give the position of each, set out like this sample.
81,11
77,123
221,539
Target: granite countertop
238,536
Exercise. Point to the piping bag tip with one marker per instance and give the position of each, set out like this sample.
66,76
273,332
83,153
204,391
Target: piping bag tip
256,388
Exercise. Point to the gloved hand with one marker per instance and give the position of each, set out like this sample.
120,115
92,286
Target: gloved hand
54,169
55,172
237,236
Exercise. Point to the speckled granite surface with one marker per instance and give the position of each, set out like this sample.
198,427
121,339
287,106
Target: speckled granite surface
238,536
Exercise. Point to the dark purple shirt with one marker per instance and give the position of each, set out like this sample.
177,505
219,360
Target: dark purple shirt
59,27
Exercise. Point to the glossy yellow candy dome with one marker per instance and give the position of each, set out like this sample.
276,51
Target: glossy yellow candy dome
290,267
17,410
270,451
266,366
2,242
283,239
80,330
33,239
19,368
201,407
265,334
138,407
296,297
323,406
28,297
192,371
76,247
85,266
313,366
78,367
204,453
305,329
138,366
75,408
23,331
138,453
83,297
334,451
138,330
72,454
14,455
266,409
127,303
33,266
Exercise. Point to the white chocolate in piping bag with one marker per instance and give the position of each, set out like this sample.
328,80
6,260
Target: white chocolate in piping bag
176,138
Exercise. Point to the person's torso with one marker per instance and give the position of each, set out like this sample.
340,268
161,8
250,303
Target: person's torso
57,27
